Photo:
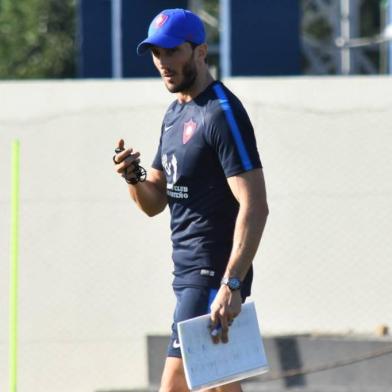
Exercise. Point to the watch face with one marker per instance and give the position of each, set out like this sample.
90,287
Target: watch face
234,283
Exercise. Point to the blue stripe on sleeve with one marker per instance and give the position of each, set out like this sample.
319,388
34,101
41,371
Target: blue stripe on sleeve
224,102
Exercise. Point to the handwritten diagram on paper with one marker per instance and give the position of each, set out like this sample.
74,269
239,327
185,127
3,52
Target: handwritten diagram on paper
207,364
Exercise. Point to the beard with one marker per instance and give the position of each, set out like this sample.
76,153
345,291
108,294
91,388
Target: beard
189,73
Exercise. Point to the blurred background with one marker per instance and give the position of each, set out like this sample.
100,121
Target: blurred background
96,38
94,299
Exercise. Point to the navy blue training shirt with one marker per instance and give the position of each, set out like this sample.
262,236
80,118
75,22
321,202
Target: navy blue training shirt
203,142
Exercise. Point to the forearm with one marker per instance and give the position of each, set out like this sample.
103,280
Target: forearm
148,197
247,234
248,230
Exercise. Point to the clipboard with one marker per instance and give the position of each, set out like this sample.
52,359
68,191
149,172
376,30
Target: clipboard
209,365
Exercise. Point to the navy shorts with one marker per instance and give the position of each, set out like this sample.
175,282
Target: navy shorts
192,301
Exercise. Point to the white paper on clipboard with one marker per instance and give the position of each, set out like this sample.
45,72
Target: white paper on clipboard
208,365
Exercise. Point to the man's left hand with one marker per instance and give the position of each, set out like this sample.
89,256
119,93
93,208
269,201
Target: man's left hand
225,307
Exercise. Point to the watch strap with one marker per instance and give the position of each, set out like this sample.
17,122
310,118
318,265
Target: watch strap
232,283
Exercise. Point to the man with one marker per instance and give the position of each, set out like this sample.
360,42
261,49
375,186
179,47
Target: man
207,169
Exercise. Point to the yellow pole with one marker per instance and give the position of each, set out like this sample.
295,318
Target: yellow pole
13,295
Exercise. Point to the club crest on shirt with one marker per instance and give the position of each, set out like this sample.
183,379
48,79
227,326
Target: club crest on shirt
189,130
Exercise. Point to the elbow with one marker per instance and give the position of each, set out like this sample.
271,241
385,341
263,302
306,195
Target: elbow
262,212
151,214
266,210
257,214
153,211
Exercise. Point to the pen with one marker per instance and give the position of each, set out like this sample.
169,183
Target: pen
216,330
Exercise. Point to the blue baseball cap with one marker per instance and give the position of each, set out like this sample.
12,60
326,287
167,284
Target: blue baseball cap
173,27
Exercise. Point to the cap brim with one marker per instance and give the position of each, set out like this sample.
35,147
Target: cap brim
161,40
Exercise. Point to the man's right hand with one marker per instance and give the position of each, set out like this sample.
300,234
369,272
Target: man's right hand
126,161
149,193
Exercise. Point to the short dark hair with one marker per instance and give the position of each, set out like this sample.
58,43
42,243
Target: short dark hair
193,45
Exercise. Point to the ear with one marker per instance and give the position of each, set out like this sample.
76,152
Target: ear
202,51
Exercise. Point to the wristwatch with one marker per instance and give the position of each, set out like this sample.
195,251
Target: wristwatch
232,283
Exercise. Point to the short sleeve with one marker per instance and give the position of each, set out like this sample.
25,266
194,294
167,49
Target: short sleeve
230,133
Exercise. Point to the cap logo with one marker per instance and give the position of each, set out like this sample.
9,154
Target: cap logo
160,20
189,130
